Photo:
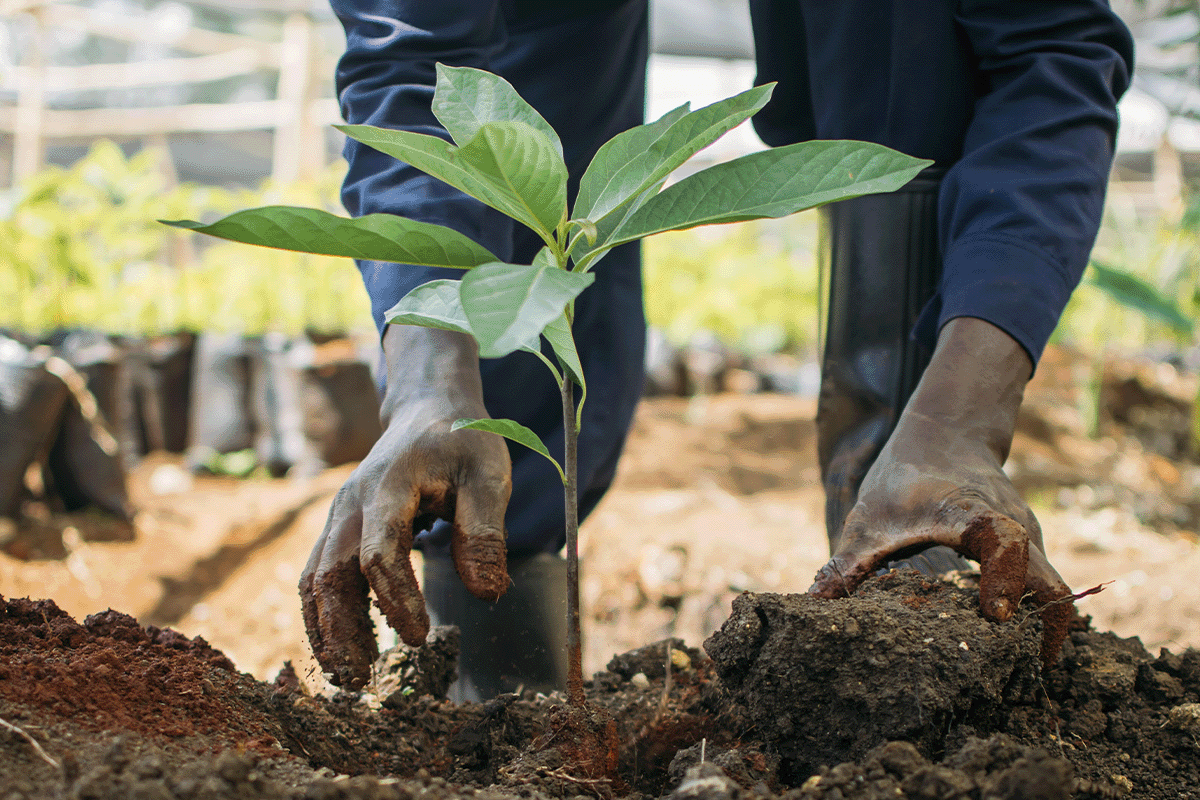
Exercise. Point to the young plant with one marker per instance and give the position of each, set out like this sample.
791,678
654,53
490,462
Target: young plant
508,157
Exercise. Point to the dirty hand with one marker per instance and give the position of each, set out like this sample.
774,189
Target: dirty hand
418,471
939,480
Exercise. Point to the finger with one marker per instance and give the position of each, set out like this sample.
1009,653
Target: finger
386,544
1034,529
861,551
478,542
969,527
1056,605
1001,547
338,609
308,597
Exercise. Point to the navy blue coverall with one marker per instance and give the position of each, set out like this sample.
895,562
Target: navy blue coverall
1015,100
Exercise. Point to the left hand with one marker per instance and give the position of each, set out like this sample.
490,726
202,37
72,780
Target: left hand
940,480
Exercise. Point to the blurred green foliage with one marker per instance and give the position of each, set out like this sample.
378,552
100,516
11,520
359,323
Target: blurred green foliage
1142,287
753,284
82,248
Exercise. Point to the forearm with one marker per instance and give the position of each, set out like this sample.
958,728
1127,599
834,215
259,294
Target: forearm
1020,210
386,78
547,51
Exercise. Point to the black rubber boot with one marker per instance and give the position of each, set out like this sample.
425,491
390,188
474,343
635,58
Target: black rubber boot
518,642
880,253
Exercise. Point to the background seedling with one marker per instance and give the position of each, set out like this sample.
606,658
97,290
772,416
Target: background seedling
507,156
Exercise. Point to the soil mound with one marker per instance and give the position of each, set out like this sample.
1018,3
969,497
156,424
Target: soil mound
900,691
828,680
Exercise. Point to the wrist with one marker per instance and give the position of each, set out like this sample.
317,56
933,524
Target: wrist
973,386
431,366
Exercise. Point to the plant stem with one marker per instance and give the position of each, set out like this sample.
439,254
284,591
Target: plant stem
574,645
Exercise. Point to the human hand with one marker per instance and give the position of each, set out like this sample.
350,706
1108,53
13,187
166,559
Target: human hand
940,480
418,471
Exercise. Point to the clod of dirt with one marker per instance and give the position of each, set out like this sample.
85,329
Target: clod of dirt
996,769
828,680
1185,717
228,776
745,765
651,660
406,672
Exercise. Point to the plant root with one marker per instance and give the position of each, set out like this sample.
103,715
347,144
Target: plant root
32,742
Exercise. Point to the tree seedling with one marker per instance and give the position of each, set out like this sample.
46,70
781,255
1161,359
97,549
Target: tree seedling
504,154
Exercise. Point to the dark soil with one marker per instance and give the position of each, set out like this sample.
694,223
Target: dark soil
900,691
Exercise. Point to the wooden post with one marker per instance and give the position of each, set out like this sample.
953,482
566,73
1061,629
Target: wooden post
294,95
1168,181
29,147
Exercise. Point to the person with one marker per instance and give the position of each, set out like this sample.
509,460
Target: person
941,299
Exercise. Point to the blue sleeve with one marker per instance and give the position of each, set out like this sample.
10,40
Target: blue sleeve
1020,210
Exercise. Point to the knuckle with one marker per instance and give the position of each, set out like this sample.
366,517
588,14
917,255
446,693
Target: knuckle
493,484
482,532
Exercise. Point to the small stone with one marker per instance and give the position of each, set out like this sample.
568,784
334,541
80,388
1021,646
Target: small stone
705,782
640,680
680,660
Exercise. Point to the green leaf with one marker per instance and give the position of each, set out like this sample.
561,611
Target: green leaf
509,166
558,334
510,430
509,305
772,183
585,257
520,159
375,237
434,304
466,98
586,228
1132,292
632,161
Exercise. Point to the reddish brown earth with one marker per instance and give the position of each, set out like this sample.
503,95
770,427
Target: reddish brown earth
901,691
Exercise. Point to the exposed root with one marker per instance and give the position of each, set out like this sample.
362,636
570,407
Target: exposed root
666,692
601,786
1071,598
33,743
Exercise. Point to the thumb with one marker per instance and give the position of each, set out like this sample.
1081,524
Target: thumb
478,541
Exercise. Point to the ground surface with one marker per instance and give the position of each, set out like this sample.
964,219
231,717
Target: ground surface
716,495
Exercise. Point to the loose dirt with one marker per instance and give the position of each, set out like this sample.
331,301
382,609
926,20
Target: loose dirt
903,690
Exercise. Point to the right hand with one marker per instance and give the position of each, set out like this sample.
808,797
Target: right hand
417,471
